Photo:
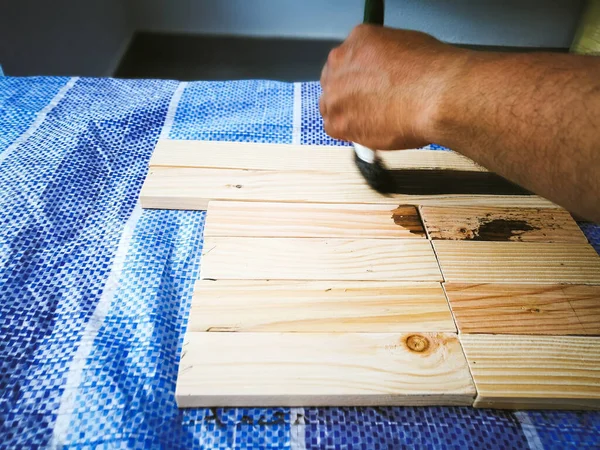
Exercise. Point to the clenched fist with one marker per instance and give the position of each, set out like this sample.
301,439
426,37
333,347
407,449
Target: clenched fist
382,87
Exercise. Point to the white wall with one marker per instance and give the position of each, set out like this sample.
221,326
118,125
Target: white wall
63,37
529,23
87,37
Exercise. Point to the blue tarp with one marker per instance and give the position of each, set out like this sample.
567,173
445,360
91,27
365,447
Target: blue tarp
95,292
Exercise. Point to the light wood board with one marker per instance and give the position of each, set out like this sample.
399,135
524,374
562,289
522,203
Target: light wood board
548,372
517,262
318,259
322,369
193,188
313,306
290,157
484,223
260,219
316,290
525,309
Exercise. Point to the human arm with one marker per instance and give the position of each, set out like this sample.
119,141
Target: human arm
533,118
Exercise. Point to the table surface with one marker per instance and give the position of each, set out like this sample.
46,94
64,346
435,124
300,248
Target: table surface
96,292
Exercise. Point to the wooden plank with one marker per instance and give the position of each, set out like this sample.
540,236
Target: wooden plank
231,258
481,223
190,188
517,262
525,309
313,306
322,369
261,219
289,157
547,372
588,313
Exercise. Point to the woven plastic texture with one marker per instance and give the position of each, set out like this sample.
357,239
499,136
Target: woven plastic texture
592,232
95,293
246,111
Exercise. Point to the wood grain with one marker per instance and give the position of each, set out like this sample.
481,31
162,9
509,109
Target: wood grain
191,188
548,372
290,157
318,259
525,309
517,262
322,369
261,219
313,306
588,314
480,223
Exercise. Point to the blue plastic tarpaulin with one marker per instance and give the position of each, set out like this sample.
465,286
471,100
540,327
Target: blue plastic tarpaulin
95,292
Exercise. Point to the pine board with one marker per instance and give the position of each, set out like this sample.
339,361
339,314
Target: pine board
320,281
290,157
483,223
588,313
546,372
313,306
193,188
260,219
525,309
318,259
322,369
517,262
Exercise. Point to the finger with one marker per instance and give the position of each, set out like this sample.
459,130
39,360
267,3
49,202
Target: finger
327,126
360,30
334,59
324,74
334,122
336,55
323,106
331,129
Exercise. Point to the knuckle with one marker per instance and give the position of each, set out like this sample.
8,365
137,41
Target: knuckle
338,123
327,126
322,106
336,127
360,30
335,55
323,79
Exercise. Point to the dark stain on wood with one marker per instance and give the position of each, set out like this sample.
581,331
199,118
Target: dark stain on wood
407,216
501,230
443,181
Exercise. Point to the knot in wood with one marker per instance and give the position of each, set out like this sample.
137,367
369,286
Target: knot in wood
417,343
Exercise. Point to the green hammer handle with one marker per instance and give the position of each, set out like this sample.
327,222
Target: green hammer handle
373,12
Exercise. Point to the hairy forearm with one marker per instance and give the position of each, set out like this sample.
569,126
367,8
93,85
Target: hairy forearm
532,118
